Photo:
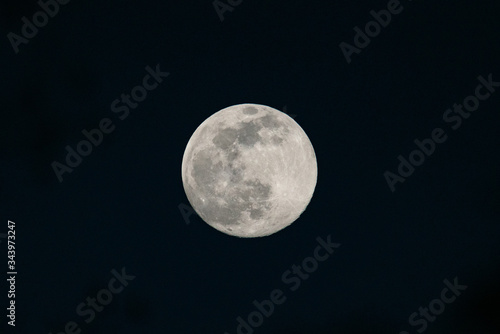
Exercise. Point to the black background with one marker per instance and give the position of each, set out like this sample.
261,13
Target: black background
120,206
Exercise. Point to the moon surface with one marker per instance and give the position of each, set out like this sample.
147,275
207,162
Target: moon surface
249,170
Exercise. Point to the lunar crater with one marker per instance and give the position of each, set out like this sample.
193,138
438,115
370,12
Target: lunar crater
250,110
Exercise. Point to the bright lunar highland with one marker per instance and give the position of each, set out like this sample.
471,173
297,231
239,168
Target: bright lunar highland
249,170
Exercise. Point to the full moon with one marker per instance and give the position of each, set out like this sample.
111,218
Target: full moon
249,170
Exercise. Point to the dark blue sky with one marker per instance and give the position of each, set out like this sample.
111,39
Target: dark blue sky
119,208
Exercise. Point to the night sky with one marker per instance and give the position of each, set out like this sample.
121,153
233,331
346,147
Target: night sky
419,256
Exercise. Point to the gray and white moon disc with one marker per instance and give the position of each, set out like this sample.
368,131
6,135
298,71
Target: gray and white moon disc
249,170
